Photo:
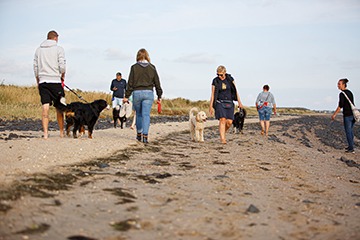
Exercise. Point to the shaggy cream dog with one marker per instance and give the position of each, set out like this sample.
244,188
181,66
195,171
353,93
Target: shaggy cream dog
197,124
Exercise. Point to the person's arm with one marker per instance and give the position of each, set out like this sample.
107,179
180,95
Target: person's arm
62,62
274,103
274,107
158,88
335,113
211,109
238,97
257,101
36,68
111,85
129,87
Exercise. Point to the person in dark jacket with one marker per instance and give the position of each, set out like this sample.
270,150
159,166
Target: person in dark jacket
223,93
118,87
143,78
348,116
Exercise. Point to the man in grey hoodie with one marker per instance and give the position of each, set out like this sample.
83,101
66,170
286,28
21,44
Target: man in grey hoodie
49,70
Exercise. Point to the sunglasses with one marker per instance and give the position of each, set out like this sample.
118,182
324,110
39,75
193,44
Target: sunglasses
220,75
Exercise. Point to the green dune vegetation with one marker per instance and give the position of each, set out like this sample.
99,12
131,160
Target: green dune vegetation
19,102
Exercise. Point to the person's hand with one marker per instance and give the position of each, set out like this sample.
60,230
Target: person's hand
333,117
115,88
158,101
211,111
240,105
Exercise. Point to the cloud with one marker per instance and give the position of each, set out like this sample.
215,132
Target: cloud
9,67
197,58
116,54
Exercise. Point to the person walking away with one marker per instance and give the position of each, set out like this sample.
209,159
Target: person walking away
265,102
223,93
143,78
49,69
348,116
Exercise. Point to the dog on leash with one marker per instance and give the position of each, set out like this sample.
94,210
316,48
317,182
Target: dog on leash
197,121
116,115
80,114
238,122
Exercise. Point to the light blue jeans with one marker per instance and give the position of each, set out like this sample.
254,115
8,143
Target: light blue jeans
348,125
265,113
142,102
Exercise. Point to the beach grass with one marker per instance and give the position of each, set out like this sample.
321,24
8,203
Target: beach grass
19,102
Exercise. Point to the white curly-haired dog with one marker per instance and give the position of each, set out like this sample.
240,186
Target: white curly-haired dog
197,121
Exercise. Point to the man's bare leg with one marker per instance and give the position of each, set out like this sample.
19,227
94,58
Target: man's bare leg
45,119
60,120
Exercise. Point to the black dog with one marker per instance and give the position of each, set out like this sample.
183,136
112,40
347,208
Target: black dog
80,114
239,118
116,116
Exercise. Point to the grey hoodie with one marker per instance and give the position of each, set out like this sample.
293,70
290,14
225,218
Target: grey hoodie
49,62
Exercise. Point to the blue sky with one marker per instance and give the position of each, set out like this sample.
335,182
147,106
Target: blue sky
299,47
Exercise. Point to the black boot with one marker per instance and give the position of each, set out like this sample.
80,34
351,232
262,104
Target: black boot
138,137
145,138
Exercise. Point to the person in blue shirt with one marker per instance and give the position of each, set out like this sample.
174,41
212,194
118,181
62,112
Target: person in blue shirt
118,87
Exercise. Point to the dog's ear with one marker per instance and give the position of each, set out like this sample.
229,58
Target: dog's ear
197,118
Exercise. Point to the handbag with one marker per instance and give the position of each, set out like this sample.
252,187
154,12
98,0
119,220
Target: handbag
355,111
226,103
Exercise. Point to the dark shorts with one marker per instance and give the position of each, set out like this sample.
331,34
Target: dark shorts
221,112
49,92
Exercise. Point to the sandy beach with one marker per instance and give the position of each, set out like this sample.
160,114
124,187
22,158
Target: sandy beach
298,183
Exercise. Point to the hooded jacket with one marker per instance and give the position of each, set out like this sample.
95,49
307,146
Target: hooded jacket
49,62
143,76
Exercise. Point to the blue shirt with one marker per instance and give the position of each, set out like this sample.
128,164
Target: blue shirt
121,87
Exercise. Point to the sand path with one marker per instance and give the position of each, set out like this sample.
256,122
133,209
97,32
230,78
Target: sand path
288,186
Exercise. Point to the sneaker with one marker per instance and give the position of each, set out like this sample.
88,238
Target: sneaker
350,151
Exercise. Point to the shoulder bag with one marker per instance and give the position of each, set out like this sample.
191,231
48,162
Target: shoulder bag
262,103
355,111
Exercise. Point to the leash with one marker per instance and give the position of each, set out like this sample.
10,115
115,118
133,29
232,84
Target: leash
79,96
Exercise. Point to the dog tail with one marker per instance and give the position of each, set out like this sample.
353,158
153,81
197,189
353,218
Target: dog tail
192,111
60,104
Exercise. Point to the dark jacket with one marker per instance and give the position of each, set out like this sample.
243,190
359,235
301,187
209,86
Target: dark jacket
121,87
143,76
217,83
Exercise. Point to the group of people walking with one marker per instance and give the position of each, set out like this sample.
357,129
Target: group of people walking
50,67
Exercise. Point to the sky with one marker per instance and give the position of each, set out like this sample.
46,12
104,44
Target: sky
300,48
